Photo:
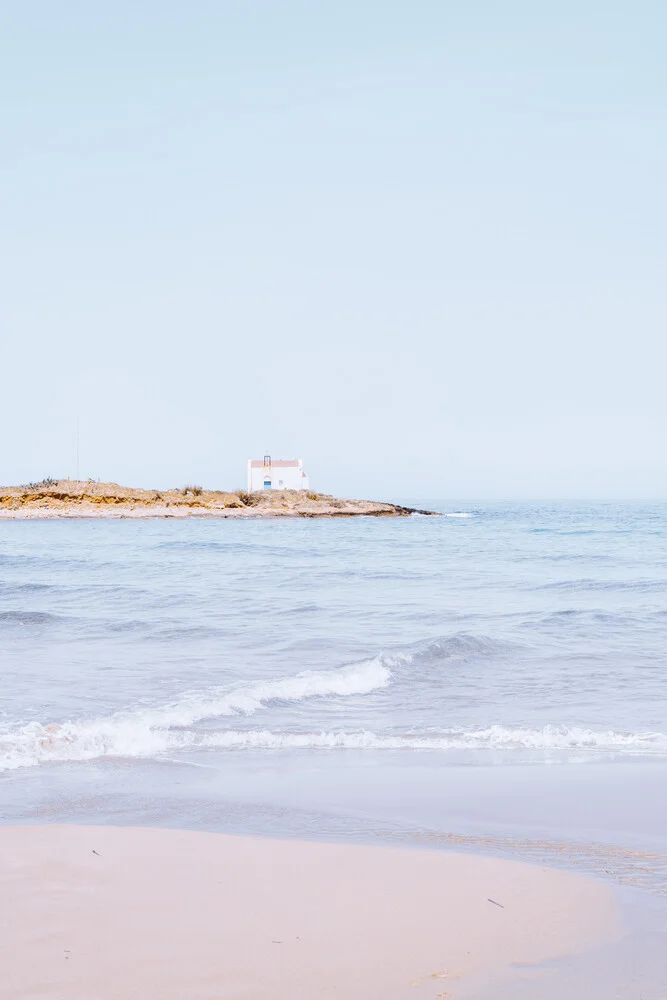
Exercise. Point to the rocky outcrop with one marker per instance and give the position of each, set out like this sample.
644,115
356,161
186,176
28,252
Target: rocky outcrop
68,498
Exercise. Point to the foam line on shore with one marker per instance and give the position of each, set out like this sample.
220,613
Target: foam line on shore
138,738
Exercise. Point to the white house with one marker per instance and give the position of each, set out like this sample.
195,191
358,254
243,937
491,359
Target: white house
276,474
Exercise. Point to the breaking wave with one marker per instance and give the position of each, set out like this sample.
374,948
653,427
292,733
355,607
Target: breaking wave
140,736
191,722
148,732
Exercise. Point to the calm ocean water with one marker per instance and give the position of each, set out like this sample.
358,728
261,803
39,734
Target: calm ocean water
498,669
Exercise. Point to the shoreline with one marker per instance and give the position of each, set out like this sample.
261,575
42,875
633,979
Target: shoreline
72,499
139,911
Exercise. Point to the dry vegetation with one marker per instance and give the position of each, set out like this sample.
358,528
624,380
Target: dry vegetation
68,498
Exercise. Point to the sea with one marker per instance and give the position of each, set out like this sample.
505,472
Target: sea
492,679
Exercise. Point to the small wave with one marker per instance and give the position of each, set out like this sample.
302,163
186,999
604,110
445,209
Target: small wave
225,547
459,513
460,646
149,732
27,618
134,738
641,586
493,738
356,679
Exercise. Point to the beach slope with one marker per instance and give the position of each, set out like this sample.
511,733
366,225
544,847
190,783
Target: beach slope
130,913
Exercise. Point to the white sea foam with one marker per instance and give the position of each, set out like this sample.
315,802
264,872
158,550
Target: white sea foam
493,738
148,732
134,736
459,513
153,732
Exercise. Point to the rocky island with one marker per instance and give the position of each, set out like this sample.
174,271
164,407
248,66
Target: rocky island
70,498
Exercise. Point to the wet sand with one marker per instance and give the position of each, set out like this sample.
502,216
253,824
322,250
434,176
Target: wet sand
126,913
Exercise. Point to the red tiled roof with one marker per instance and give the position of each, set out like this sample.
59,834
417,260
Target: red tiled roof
279,463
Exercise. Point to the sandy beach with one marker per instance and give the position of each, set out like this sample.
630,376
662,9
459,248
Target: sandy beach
114,913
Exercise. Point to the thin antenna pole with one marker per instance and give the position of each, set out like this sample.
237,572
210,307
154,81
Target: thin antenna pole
77,449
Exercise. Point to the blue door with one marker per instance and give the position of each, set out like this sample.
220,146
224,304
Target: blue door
267,484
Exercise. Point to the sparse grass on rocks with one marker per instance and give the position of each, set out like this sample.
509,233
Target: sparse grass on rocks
249,499
71,498
43,483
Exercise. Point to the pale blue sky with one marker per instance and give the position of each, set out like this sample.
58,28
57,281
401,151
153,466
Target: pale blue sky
420,245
